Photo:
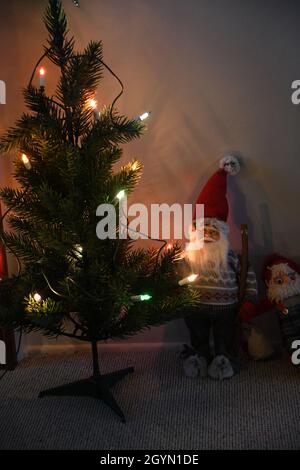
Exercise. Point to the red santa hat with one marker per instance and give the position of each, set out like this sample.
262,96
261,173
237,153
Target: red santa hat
213,195
273,260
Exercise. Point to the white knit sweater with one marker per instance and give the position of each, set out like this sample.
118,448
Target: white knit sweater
222,288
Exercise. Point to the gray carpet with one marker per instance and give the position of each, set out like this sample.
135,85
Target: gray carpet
257,409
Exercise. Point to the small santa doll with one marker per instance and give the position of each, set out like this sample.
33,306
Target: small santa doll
282,279
218,269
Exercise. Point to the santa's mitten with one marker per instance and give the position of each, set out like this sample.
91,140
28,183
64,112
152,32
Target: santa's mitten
248,311
220,368
195,366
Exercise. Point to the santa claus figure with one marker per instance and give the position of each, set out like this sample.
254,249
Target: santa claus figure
282,279
212,326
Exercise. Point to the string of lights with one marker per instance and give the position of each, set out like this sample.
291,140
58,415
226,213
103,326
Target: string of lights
120,196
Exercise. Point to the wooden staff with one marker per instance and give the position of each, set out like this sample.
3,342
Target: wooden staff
242,280
244,263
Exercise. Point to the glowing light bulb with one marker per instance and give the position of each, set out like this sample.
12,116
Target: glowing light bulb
26,161
42,73
188,279
134,166
92,103
145,297
79,250
120,194
37,297
144,116
142,297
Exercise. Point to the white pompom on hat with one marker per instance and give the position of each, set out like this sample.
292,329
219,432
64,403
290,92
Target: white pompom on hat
230,164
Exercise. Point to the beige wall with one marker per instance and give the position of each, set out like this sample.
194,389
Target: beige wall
217,75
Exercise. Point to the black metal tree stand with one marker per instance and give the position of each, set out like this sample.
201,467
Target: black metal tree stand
98,386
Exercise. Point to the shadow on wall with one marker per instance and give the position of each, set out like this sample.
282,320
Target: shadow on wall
239,202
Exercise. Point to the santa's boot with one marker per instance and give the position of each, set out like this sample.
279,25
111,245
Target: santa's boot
220,368
195,366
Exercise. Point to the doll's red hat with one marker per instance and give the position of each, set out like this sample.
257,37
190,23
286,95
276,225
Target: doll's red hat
213,195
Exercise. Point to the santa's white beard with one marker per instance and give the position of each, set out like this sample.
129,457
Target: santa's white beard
212,257
280,292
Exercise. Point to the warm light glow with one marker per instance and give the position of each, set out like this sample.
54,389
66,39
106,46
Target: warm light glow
37,297
144,116
192,277
187,280
169,246
134,166
79,250
92,103
121,194
42,73
26,161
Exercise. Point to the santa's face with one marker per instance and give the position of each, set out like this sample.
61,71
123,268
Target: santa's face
284,282
213,253
211,233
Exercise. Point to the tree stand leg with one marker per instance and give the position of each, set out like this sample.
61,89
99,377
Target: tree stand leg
98,386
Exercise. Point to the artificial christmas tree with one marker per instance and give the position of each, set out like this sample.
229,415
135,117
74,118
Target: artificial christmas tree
70,283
